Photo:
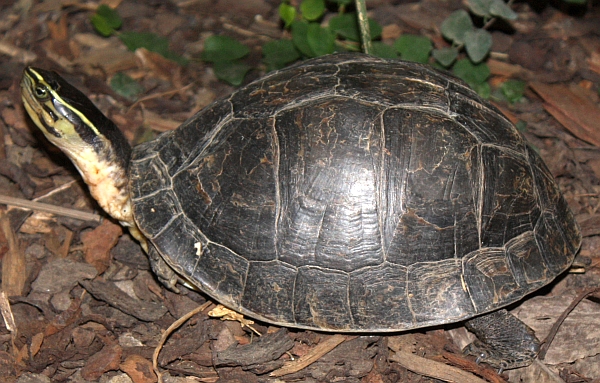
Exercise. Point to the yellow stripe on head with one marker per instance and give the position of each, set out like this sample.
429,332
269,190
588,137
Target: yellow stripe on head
97,148
70,120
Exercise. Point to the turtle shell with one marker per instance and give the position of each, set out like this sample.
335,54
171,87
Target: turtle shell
351,193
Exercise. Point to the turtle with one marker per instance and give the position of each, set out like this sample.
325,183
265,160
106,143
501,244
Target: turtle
346,193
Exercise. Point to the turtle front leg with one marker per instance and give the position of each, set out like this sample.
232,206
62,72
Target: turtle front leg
165,274
503,341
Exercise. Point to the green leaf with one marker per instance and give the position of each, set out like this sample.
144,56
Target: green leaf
106,20
299,37
230,71
413,48
501,9
382,50
320,40
478,43
342,2
513,90
480,7
126,86
312,9
110,15
152,42
483,89
223,48
101,26
472,74
456,25
278,53
375,28
346,25
445,56
287,13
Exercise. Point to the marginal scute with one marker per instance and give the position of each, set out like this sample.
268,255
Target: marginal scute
148,174
222,273
524,257
436,292
154,213
378,297
179,244
489,277
272,296
553,244
320,299
351,193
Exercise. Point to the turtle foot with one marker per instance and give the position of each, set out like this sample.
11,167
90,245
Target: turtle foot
165,274
503,341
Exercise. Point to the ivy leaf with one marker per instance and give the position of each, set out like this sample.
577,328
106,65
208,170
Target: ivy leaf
501,9
456,25
382,50
152,42
475,75
478,43
320,40
445,56
223,48
312,9
278,53
413,48
513,90
287,13
101,26
231,71
480,7
299,30
346,25
106,20
126,86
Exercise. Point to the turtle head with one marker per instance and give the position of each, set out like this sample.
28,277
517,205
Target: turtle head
94,144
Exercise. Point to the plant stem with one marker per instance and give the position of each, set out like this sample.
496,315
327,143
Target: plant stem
363,22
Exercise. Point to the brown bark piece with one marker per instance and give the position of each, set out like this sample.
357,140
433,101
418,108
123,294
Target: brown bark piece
104,360
111,294
14,270
317,352
139,369
576,113
98,243
433,369
264,349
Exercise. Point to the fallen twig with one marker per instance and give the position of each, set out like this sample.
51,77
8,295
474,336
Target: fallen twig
550,337
175,325
308,359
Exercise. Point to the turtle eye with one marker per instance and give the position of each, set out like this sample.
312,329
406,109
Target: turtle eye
41,92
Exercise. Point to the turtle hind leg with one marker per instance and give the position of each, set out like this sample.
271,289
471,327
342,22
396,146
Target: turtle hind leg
503,341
